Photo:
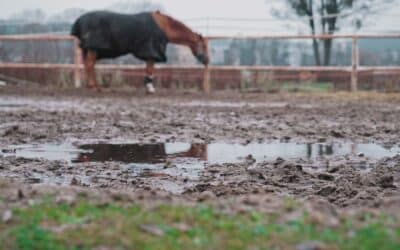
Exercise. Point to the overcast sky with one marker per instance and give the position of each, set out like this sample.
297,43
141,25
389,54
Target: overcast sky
180,8
184,9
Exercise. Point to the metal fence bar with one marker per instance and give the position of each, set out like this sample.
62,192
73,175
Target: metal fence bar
36,37
323,36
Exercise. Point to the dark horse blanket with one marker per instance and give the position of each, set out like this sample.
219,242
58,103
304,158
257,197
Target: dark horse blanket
111,35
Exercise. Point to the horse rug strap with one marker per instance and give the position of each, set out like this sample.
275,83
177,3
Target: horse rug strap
112,35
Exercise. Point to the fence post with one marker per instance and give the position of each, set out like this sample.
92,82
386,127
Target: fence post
77,62
206,80
354,65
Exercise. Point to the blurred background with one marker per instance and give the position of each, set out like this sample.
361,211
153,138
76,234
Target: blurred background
287,60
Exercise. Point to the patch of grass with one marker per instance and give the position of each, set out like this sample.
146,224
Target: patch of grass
34,237
85,226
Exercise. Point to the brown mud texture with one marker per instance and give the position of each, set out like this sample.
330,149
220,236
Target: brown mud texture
340,182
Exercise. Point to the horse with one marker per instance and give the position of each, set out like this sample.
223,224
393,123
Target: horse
105,34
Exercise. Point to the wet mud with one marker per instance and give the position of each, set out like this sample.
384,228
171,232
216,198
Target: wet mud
342,150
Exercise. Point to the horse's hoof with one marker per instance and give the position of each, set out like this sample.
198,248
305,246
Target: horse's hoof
150,89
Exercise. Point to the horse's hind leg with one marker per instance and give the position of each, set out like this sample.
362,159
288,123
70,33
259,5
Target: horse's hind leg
90,62
148,80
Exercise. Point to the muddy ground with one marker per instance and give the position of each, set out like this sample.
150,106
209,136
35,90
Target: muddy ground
353,181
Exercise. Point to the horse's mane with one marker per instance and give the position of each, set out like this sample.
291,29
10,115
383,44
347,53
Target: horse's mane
177,25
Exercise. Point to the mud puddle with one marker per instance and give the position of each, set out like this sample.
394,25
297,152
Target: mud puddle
7,104
173,167
214,153
224,104
12,105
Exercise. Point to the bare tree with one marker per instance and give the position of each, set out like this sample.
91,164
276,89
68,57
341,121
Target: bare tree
327,17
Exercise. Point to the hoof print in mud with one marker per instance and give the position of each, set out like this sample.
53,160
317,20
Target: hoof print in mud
386,181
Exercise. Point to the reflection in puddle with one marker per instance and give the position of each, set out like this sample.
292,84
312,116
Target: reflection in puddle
6,103
214,153
12,105
225,104
140,153
219,104
222,153
172,167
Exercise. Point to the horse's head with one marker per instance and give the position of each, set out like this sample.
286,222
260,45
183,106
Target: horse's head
200,50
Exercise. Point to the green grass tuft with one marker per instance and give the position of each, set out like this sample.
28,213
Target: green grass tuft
86,226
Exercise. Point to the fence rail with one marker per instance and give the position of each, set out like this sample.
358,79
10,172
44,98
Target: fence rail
77,66
198,67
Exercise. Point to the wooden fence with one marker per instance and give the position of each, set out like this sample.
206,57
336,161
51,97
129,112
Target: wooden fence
354,69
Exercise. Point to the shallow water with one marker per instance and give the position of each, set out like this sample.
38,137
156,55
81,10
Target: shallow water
214,153
13,104
225,104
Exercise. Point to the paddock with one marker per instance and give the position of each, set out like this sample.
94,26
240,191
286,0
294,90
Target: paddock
312,147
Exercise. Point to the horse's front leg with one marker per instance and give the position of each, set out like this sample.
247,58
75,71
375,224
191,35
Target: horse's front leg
149,78
90,62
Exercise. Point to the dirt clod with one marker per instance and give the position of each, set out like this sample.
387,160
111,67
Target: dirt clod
326,190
